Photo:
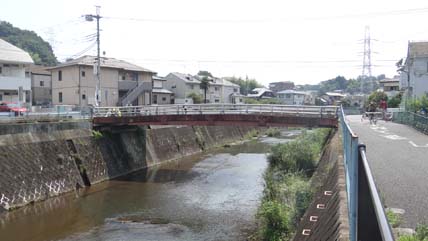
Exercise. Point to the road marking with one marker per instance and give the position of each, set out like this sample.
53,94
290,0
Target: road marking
414,145
395,137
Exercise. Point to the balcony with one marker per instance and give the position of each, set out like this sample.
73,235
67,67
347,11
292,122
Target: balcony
13,83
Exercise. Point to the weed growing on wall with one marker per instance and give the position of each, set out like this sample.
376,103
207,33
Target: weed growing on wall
287,192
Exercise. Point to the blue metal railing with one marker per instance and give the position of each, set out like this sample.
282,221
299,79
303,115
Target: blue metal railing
367,219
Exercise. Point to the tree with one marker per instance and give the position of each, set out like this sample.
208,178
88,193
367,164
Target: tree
377,97
197,99
205,73
40,50
395,101
205,83
245,85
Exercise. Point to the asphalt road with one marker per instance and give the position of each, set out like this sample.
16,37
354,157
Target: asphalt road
398,157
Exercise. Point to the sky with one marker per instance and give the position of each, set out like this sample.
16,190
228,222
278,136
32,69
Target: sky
304,41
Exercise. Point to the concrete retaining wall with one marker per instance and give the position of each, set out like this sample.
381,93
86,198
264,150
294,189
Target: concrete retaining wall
327,216
54,160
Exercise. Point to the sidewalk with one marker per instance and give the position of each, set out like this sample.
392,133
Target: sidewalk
398,157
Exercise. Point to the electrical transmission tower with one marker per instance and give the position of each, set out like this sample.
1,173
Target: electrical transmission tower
367,61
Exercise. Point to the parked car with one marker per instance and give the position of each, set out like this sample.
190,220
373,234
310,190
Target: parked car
12,107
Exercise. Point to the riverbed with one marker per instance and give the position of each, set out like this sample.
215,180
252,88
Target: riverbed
209,196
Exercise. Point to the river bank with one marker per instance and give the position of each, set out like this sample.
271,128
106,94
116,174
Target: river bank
54,159
212,195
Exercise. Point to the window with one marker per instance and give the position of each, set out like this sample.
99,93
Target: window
216,101
235,90
27,74
83,97
155,99
60,97
123,77
83,73
216,88
60,76
163,98
1,97
42,83
1,70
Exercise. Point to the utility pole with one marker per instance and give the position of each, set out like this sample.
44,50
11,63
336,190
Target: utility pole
367,60
90,18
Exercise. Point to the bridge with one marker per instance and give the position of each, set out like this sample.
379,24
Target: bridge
218,114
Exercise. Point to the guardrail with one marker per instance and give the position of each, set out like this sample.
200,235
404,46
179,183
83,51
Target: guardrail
367,217
417,121
200,109
6,117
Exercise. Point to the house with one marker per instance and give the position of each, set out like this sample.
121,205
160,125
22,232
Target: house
414,72
390,87
15,81
280,86
160,95
225,92
333,98
122,83
182,85
291,97
41,85
261,93
219,90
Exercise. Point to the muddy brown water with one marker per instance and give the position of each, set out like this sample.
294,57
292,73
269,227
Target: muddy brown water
211,196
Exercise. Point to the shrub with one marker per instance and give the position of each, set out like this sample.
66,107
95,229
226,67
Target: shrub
275,217
97,134
273,132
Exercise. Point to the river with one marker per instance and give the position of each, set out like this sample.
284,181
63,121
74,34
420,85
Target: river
209,196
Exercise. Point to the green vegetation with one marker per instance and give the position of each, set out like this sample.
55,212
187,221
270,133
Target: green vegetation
273,132
395,101
377,97
417,104
39,50
197,99
287,192
97,134
246,85
420,235
262,101
348,85
393,218
251,134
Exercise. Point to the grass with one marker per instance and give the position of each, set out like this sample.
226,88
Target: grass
393,218
287,192
97,134
251,134
273,132
420,235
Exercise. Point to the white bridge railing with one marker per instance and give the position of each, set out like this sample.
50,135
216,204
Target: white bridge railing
213,109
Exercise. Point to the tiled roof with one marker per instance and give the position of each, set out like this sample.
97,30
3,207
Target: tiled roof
105,62
12,54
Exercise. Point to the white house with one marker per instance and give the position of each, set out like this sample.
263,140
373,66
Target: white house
160,95
415,70
219,90
390,87
291,97
15,82
261,93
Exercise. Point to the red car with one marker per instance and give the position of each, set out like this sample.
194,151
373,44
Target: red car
12,107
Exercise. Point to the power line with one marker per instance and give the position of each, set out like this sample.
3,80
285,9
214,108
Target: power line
350,16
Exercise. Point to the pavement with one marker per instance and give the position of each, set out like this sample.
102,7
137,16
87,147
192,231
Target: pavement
398,157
